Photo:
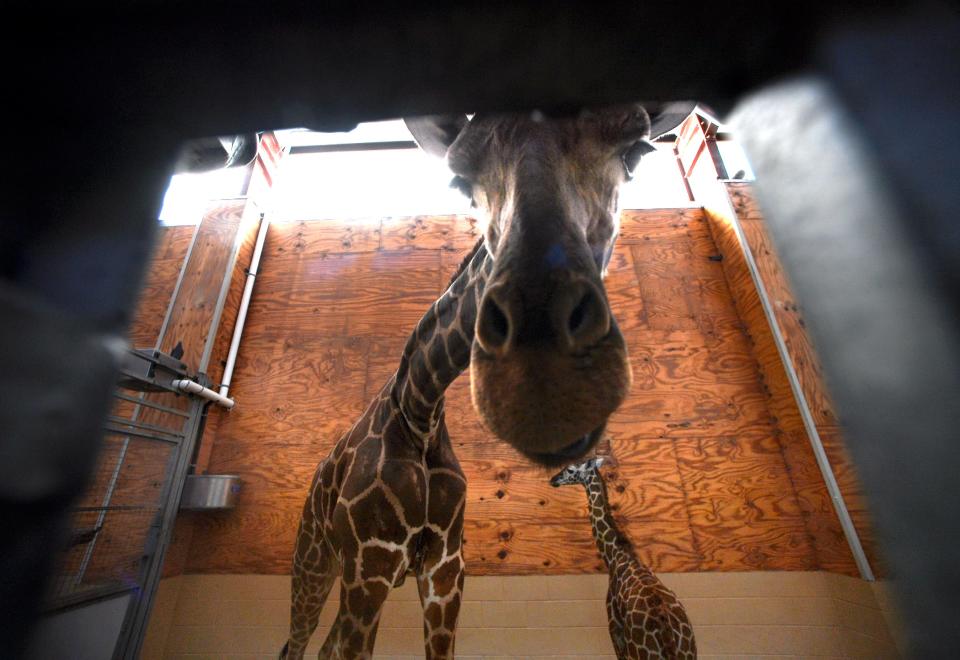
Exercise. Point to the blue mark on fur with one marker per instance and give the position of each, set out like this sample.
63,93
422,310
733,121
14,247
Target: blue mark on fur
556,256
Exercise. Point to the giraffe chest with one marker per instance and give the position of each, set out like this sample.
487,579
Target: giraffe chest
374,493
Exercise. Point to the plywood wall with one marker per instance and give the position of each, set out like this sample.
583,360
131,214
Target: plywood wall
806,363
172,244
699,480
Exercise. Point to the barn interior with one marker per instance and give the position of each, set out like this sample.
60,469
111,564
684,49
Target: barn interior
711,463
761,476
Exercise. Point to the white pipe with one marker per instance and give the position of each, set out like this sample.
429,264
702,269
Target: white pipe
191,387
244,304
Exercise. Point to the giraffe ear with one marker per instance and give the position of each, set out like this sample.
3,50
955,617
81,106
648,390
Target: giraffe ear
435,133
665,117
598,461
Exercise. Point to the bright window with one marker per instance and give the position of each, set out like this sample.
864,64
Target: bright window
327,175
189,195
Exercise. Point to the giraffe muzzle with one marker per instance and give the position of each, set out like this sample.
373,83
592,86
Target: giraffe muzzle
572,318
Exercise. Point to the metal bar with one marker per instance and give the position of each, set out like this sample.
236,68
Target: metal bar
135,625
89,595
151,404
140,425
108,495
352,146
88,553
137,434
686,182
176,288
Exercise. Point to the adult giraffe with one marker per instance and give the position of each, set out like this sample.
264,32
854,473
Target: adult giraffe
389,500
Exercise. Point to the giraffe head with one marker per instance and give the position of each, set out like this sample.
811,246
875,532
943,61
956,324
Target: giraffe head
548,362
581,473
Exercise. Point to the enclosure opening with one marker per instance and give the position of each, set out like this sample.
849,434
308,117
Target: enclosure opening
376,170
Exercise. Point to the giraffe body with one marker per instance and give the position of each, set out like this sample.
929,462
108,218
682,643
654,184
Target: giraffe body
645,618
388,501
529,316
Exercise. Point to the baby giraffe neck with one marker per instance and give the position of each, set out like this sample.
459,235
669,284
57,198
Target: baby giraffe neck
439,349
612,545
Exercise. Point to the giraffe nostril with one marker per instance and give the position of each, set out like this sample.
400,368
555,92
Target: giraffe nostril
494,322
582,315
498,320
578,314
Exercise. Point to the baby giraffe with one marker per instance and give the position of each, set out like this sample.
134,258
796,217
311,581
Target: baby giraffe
646,620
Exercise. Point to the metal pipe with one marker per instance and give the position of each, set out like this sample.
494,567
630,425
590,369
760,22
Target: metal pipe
191,387
244,305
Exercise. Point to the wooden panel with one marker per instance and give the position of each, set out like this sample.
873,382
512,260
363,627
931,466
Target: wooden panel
805,359
656,224
331,310
144,465
736,480
778,545
806,363
449,233
249,228
169,252
814,501
833,552
194,307
505,547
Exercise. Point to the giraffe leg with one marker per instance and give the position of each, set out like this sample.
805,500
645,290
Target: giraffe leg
314,572
440,584
355,631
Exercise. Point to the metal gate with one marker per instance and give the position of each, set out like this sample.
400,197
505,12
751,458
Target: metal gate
123,524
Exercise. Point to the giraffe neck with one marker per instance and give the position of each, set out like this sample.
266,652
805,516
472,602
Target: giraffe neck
613,546
439,349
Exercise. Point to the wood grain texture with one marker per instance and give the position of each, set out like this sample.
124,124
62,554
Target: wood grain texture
194,307
806,363
696,473
813,499
170,249
247,237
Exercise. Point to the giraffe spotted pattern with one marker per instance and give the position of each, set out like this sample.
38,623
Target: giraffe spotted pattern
646,619
389,499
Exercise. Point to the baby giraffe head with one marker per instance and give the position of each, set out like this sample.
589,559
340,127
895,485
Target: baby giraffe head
580,473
